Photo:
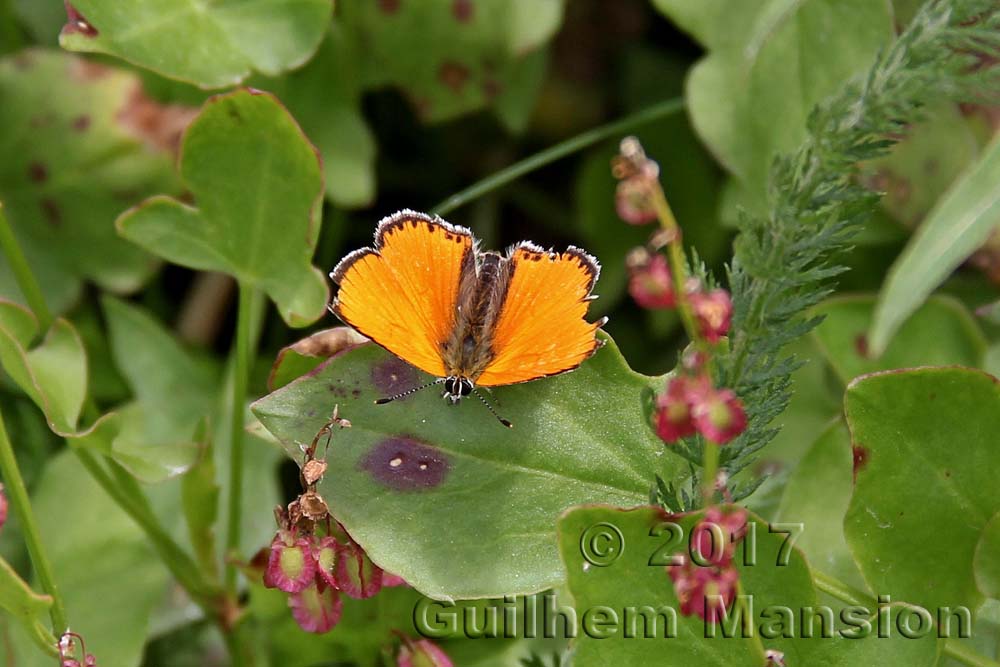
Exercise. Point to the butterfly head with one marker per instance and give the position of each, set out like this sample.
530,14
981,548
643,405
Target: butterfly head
455,388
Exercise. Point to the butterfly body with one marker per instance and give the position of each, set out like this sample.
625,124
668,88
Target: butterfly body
426,293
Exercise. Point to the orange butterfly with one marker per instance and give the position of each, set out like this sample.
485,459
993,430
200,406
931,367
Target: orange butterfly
426,293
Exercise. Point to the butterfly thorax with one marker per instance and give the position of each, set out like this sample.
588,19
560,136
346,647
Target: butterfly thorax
481,292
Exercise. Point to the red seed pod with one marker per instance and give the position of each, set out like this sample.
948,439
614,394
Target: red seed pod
290,567
316,610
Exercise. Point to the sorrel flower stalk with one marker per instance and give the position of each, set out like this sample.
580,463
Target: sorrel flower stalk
691,403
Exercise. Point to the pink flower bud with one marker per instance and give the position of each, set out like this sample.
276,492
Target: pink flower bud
357,575
774,657
315,610
705,591
326,554
714,311
68,649
650,283
633,200
717,534
673,412
290,567
718,415
422,653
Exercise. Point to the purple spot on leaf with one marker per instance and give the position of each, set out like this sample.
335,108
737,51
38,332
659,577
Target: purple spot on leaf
76,23
81,123
861,346
463,10
393,376
861,456
405,464
389,6
37,172
51,211
454,75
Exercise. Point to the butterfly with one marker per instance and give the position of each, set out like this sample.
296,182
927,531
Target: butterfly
428,294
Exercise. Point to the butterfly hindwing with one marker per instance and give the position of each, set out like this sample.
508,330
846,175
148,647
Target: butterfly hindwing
542,328
402,293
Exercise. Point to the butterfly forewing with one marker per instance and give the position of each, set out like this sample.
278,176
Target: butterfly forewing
402,294
542,328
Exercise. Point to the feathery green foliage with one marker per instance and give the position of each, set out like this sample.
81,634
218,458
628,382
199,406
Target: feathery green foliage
783,262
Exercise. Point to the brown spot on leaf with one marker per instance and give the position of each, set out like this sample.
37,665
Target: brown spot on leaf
393,376
491,88
860,455
81,123
157,125
37,172
453,75
50,209
77,23
389,6
87,70
463,10
861,346
406,464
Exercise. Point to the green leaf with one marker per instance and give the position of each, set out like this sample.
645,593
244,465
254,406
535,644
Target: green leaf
74,158
940,333
961,221
108,575
155,437
895,649
29,608
304,355
630,581
925,461
769,63
211,45
257,188
923,165
325,98
577,438
200,501
459,56
987,559
817,495
53,373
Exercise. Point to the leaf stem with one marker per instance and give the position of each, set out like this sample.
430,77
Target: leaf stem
241,380
23,274
32,538
851,595
560,150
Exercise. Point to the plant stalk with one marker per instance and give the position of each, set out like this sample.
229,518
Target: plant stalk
23,274
241,380
18,493
560,150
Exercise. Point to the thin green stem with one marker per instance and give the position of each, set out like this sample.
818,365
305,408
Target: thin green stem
241,379
851,595
22,507
560,150
23,274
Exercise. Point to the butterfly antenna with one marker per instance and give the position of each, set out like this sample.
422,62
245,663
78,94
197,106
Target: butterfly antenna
492,411
389,399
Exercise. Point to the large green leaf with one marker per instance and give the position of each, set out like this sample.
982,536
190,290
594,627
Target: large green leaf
212,45
926,458
107,573
325,97
779,597
961,221
940,333
630,580
257,189
451,57
816,495
73,160
987,559
421,485
769,63
53,373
